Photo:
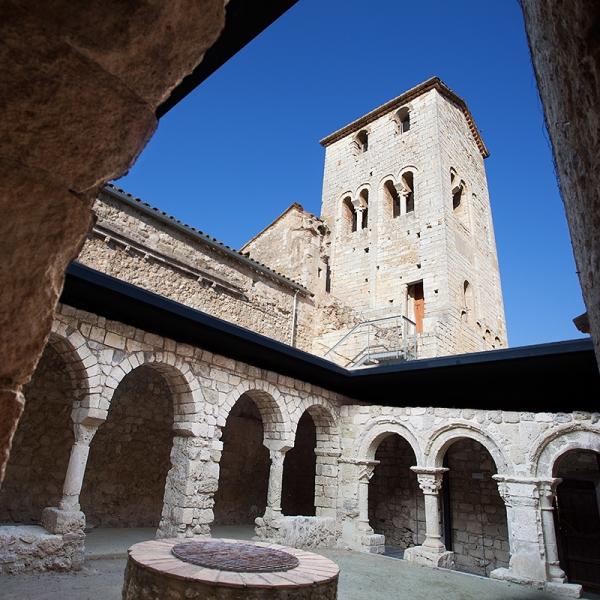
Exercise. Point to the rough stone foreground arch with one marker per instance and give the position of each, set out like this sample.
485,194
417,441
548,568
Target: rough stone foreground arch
557,442
444,437
377,430
187,396
47,192
81,364
271,405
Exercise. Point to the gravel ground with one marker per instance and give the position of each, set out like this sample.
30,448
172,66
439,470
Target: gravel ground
363,577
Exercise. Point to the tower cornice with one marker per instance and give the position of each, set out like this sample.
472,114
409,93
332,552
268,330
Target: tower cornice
434,83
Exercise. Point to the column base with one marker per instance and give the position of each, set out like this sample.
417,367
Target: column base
423,556
373,543
571,590
56,520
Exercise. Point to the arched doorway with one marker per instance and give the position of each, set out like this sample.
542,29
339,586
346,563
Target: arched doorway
244,466
299,471
129,456
474,514
577,516
40,452
396,505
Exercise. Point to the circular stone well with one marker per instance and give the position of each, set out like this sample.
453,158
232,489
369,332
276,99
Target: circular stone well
223,569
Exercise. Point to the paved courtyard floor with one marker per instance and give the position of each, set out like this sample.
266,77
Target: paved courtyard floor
363,577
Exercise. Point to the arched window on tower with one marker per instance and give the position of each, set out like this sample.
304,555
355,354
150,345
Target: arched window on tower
349,215
468,308
364,202
392,198
403,119
459,198
362,141
408,183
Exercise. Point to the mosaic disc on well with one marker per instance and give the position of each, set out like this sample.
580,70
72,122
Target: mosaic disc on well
235,556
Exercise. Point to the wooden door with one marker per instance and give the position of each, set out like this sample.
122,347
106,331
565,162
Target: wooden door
579,532
416,293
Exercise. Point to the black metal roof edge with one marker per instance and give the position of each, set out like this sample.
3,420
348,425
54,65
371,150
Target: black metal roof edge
117,300
98,279
487,356
156,213
243,22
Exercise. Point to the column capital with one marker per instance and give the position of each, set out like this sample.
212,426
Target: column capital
430,479
84,433
547,489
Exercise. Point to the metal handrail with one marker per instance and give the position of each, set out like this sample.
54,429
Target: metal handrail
362,324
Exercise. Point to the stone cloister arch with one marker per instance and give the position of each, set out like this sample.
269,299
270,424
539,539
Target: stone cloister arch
462,462
309,479
569,499
65,379
151,408
395,502
359,468
253,424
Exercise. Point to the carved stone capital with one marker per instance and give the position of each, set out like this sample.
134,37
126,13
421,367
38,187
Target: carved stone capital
430,480
547,489
84,433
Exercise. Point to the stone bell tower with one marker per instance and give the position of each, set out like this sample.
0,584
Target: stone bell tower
405,199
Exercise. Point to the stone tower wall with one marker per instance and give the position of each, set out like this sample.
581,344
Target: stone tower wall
373,267
471,246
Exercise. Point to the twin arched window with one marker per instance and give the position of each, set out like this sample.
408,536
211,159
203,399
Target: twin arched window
400,198
356,218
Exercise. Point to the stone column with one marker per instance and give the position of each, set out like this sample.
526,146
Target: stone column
275,482
433,551
368,540
367,468
527,528
68,516
191,481
403,201
326,482
554,572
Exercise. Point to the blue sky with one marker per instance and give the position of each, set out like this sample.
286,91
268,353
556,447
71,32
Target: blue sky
244,145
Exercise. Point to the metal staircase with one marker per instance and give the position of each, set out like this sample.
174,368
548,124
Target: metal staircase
376,341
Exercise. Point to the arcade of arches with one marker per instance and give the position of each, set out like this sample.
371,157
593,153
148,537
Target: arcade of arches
132,430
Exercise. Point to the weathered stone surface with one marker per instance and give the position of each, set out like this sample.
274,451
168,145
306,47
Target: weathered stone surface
28,548
60,521
81,89
564,40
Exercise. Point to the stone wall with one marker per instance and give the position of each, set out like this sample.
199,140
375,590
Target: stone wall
302,235
134,247
477,512
395,500
130,455
564,40
36,470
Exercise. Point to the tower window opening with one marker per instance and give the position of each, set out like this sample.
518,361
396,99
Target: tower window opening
393,197
350,215
362,141
364,202
467,312
403,120
408,184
